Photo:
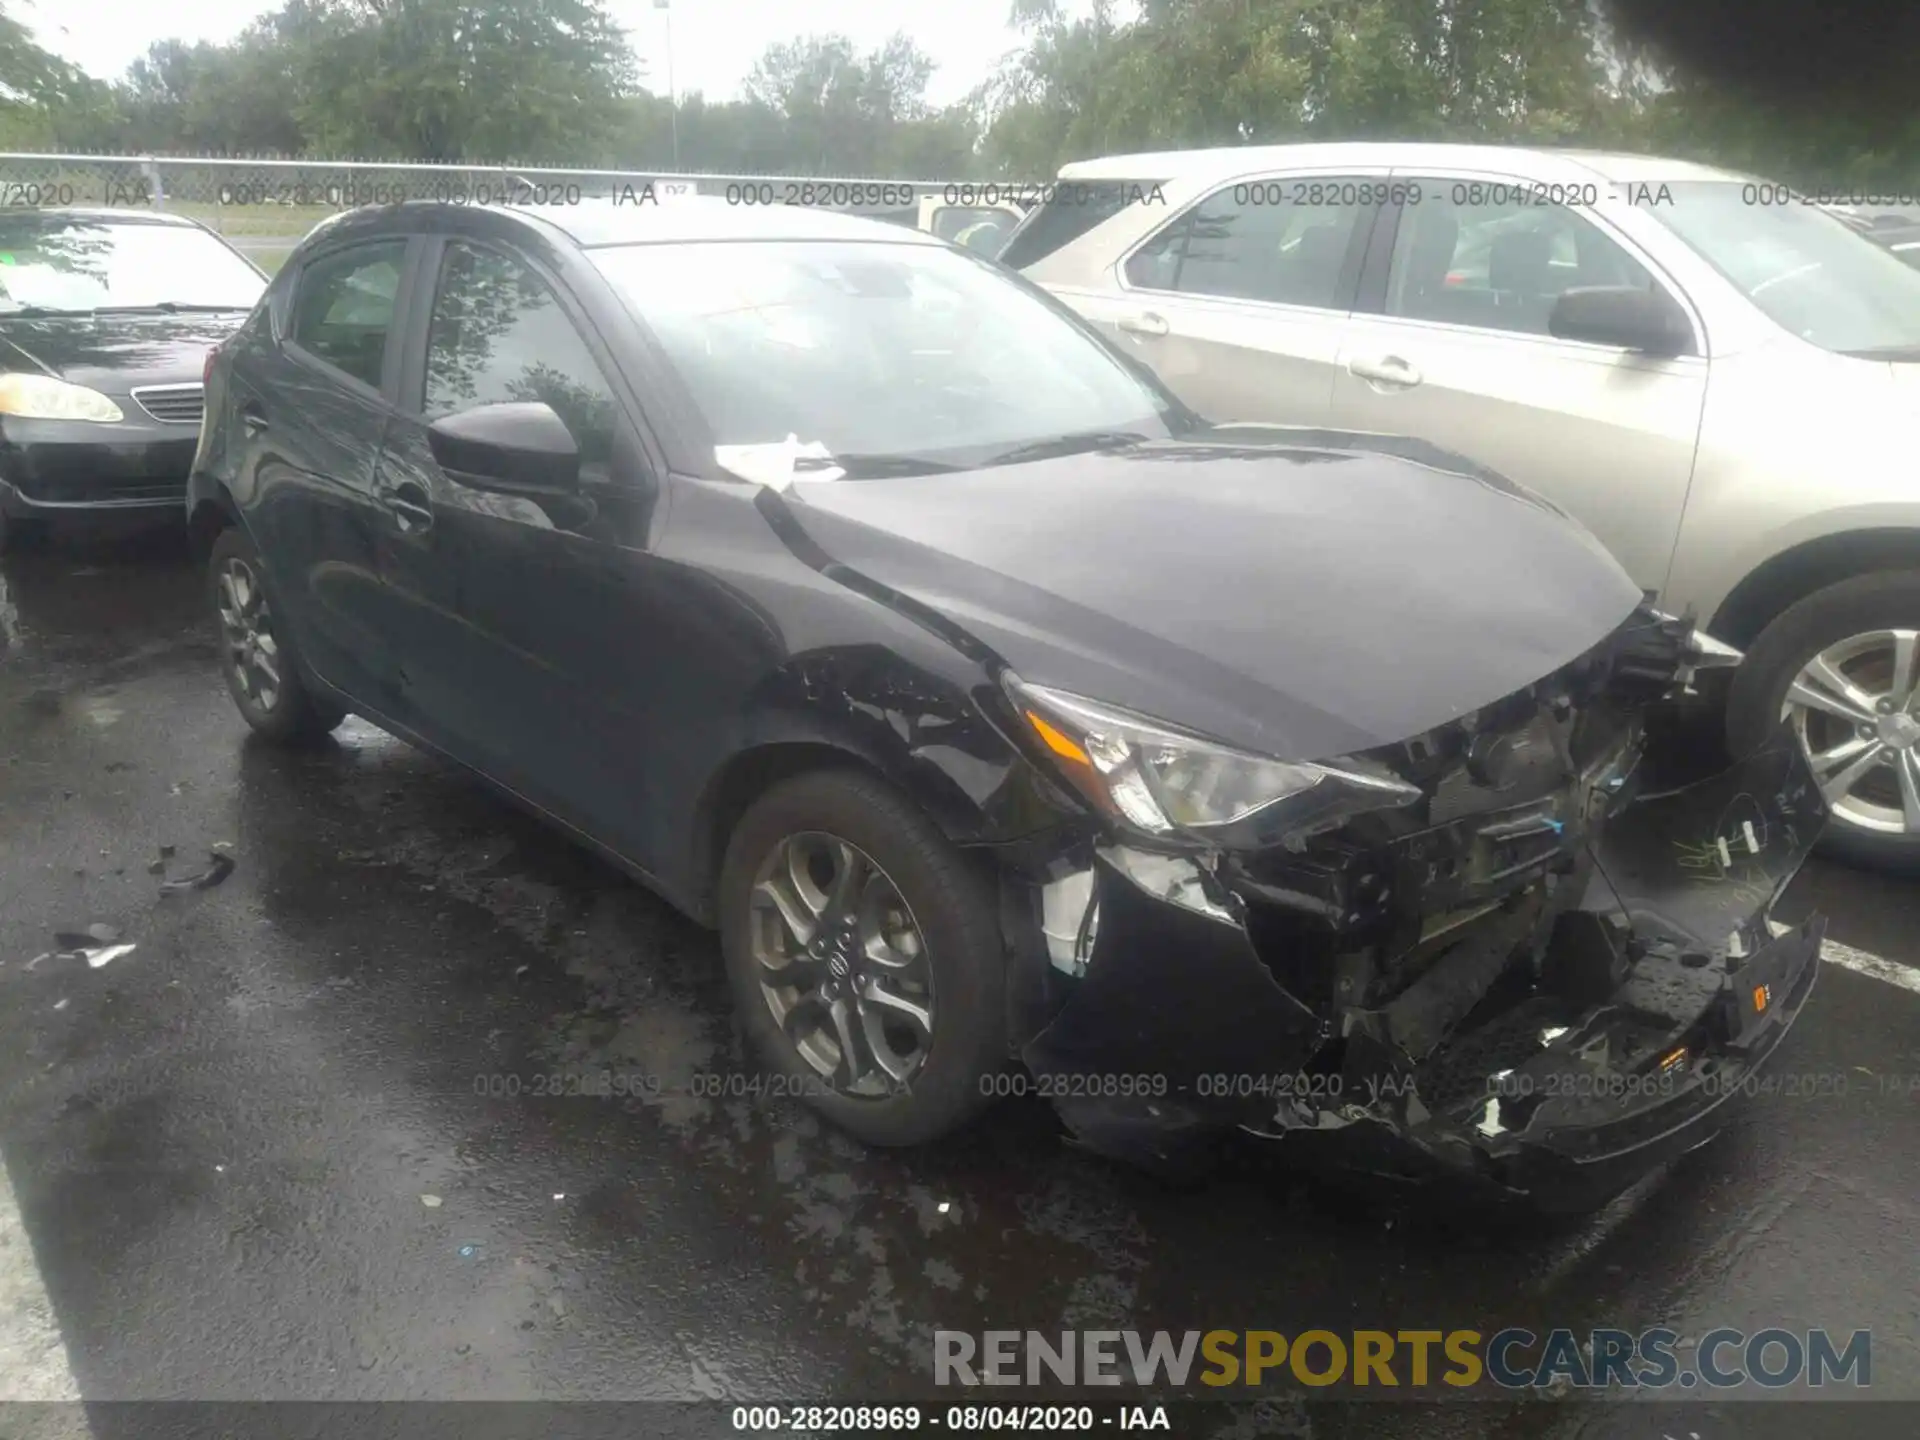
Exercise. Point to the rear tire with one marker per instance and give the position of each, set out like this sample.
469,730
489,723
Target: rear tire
263,673
1852,632
929,904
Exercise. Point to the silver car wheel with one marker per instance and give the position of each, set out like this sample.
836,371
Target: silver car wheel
843,964
246,625
1853,707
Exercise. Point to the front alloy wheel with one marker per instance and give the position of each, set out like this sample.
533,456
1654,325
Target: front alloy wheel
1852,706
865,955
843,965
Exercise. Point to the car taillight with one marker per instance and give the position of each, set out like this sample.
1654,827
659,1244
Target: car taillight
206,370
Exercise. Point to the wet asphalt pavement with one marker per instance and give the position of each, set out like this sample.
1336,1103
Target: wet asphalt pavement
276,1152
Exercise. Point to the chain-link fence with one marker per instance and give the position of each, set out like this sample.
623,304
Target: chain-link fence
264,207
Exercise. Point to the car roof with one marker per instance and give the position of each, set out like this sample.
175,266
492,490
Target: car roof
712,217
1241,159
600,221
123,214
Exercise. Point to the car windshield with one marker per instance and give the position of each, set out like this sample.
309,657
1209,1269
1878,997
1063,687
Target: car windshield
71,263
878,350
1809,271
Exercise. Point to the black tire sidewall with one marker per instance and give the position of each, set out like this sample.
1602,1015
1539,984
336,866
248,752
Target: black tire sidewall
951,899
1882,600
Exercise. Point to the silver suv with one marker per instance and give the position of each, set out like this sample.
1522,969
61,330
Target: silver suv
1719,379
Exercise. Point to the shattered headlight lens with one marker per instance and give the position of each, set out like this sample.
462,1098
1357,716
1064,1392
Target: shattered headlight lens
1165,783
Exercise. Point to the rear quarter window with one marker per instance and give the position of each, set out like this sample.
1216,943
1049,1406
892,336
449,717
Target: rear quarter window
1073,209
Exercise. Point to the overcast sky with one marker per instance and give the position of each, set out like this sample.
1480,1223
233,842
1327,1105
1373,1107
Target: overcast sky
715,42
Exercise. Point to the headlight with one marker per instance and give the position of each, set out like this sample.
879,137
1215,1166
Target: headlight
41,397
1168,784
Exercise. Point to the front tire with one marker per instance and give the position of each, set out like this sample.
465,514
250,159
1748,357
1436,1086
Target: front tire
261,670
865,957
1843,667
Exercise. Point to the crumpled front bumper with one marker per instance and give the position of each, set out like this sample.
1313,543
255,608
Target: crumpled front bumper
1560,1087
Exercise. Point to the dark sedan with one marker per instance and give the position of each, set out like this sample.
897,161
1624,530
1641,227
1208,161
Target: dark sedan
862,601
106,321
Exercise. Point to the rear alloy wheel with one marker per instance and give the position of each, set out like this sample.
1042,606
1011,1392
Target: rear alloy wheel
261,673
864,955
1842,668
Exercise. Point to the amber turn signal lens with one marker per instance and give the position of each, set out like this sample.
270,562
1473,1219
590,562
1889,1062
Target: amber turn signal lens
1058,741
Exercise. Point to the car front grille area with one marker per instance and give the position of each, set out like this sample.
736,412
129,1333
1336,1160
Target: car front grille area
1509,791
101,474
172,404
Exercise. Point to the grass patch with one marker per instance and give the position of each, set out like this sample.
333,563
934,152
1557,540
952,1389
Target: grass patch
272,222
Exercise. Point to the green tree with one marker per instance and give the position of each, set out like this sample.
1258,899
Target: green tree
848,113
1214,72
216,99
460,80
35,85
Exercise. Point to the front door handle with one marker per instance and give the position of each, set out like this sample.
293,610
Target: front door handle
1147,324
410,507
253,419
1388,370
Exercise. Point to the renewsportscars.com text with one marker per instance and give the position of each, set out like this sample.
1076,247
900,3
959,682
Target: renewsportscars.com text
1512,1359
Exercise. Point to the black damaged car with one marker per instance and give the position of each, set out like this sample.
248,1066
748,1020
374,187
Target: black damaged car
995,709
107,318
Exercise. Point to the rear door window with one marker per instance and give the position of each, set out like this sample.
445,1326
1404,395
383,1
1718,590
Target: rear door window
1287,242
1073,209
343,307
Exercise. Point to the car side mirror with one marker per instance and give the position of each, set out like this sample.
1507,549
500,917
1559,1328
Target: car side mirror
1623,315
519,448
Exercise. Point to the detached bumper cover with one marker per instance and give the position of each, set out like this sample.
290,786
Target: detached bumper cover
1662,990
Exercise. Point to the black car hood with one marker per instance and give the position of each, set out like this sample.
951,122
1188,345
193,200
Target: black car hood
1302,601
113,353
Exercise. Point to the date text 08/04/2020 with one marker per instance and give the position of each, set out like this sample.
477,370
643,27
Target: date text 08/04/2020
984,1419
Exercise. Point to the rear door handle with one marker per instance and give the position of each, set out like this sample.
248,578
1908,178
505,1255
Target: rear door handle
410,507
1147,324
253,418
1389,370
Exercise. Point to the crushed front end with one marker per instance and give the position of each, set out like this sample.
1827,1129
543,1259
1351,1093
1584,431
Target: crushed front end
1537,976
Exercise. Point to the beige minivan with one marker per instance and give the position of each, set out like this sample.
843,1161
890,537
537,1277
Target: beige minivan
1718,377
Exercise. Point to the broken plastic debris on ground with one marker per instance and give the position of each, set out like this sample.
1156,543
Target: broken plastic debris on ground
98,944
219,867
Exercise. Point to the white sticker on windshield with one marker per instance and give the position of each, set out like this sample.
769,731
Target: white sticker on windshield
774,464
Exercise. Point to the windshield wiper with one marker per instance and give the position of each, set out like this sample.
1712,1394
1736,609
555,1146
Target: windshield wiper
168,307
875,467
1070,445
1898,354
